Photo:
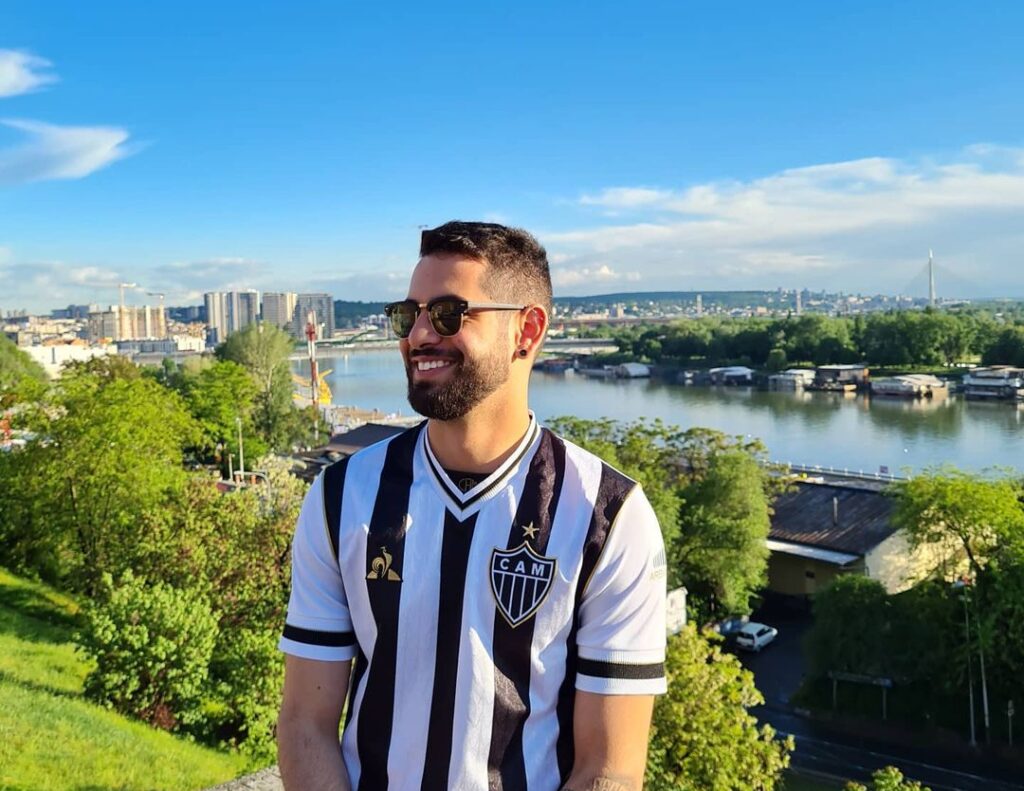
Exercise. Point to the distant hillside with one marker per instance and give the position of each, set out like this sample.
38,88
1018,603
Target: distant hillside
52,737
347,314
722,298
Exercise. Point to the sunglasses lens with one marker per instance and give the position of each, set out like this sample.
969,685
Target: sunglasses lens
403,317
446,316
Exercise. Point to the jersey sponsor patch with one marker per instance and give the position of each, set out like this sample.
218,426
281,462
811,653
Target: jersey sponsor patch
520,581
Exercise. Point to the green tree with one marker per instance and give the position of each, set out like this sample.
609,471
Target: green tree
720,552
217,396
850,622
1007,348
108,460
263,350
16,366
888,779
710,493
982,516
702,736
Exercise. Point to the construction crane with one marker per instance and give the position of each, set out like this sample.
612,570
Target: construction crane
120,312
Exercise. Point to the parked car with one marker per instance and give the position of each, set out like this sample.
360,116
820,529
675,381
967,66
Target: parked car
755,636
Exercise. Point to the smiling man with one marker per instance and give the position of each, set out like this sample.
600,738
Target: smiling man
501,591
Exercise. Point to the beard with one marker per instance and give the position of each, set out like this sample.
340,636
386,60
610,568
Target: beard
469,383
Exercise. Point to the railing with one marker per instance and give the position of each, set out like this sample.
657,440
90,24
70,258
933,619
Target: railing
845,472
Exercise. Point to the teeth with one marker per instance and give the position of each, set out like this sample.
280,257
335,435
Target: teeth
430,365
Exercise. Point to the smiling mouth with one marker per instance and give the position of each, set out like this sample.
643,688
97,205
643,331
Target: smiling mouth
430,365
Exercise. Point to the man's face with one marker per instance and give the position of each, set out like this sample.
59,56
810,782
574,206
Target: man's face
448,376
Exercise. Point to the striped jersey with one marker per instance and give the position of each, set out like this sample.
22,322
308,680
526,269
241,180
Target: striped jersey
475,616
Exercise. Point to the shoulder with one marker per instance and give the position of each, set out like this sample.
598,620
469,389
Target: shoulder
605,483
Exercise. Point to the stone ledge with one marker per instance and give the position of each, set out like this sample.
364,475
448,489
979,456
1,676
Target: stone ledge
264,780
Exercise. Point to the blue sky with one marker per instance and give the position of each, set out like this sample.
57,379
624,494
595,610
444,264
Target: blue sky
191,146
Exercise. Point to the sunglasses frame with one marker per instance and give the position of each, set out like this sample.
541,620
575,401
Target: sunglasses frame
462,307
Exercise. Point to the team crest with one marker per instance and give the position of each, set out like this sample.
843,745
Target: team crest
520,581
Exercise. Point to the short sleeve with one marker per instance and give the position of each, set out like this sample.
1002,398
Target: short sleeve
621,638
318,625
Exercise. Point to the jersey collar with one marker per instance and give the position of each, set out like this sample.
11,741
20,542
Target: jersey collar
462,504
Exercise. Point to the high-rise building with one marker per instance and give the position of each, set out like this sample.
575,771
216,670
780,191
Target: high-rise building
230,311
279,308
216,315
243,309
322,305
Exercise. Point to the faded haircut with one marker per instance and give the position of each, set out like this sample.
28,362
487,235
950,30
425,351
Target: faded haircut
517,264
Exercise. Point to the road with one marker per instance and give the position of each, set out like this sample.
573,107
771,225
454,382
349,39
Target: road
778,671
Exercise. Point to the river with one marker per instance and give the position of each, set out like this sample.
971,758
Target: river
824,429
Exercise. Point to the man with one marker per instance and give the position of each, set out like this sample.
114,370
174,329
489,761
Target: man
501,590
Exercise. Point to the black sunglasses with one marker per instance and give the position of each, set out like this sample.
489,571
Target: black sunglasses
445,314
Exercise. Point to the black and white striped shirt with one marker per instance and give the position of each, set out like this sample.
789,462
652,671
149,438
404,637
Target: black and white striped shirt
474,616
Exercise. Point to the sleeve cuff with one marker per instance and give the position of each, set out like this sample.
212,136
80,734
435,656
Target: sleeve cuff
330,646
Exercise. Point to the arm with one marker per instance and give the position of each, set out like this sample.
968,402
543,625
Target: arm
307,727
610,735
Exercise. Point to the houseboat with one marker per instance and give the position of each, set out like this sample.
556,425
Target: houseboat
793,379
910,386
1000,382
732,375
840,378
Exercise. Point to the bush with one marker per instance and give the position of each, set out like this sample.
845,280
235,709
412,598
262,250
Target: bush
246,677
152,647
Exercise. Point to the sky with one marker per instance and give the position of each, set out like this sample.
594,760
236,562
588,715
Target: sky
300,146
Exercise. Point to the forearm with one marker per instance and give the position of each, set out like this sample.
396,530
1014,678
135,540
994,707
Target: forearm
600,783
310,760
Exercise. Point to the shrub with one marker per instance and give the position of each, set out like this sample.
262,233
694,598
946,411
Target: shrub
152,647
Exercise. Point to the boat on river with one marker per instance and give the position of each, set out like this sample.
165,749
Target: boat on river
910,386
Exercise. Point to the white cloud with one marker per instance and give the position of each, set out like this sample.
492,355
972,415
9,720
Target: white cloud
862,224
59,152
602,273
22,72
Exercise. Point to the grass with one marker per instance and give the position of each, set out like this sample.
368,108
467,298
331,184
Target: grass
52,738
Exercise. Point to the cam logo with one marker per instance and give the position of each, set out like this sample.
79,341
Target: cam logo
520,581
380,568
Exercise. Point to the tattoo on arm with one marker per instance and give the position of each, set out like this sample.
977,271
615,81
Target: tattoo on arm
601,784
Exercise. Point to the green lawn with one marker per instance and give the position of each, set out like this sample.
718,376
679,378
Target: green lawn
52,738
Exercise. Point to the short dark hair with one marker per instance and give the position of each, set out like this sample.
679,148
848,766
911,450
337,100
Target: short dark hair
517,264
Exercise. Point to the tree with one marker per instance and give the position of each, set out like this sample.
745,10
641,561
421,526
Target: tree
721,552
109,459
980,515
702,735
16,366
217,396
1007,348
888,779
710,493
850,620
263,350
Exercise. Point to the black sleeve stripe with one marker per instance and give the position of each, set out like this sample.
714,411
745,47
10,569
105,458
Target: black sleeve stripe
314,637
591,667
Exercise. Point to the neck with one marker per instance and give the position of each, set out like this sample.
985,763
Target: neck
479,441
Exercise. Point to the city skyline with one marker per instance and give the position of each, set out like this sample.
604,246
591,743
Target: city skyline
659,148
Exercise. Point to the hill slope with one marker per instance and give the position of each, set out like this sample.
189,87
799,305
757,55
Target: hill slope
52,738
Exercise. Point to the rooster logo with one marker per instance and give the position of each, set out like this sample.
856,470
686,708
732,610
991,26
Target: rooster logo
380,568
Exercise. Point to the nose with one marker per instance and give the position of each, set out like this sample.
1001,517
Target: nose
423,332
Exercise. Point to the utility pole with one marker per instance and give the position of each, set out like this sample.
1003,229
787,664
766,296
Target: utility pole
241,452
314,377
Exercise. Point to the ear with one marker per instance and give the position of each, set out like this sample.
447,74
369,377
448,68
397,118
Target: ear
533,323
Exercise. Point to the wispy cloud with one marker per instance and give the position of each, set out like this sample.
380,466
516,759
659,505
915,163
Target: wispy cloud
22,72
59,152
861,224
601,274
